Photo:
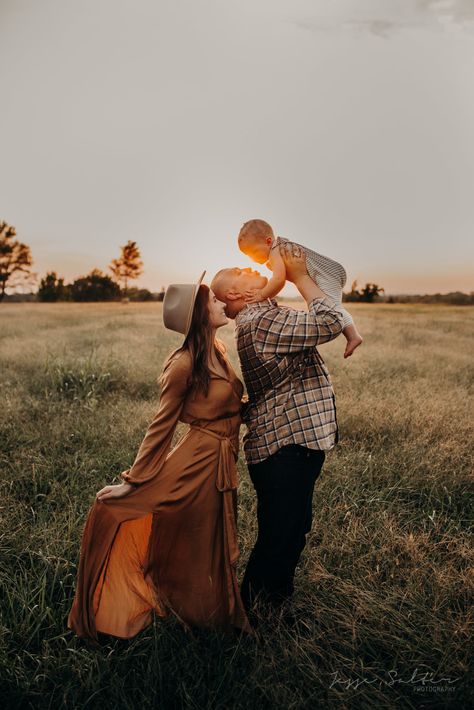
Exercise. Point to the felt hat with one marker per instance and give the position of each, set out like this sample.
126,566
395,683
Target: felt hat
178,305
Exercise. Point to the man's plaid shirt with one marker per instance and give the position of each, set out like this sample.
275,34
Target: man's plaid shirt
291,400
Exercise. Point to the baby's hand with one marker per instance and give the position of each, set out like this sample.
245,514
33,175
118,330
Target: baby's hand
254,295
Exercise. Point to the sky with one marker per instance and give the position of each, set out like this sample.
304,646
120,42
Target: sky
347,124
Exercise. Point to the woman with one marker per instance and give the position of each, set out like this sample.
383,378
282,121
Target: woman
165,539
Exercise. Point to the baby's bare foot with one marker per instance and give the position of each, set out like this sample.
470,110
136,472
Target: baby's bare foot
352,344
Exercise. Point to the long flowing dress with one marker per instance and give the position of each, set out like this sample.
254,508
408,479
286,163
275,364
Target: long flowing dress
170,545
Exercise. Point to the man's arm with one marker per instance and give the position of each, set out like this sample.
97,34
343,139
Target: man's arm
289,330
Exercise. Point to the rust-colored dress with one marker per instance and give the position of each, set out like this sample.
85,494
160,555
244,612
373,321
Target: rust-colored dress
170,545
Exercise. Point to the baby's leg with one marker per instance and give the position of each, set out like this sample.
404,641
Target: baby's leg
353,337
350,332
331,278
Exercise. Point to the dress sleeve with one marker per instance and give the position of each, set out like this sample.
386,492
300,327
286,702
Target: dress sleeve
159,435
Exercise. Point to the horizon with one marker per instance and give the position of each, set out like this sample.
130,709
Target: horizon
289,290
349,127
288,293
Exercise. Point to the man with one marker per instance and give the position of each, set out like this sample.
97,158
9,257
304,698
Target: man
291,416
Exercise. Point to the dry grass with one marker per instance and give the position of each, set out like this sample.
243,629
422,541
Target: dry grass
383,588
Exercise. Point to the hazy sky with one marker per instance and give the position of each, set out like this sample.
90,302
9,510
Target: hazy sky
348,124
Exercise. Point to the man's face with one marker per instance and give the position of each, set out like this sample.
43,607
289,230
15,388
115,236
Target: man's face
230,285
242,280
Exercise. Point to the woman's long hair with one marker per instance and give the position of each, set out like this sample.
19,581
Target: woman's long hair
199,343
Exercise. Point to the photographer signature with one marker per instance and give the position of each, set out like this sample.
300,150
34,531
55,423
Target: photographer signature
425,678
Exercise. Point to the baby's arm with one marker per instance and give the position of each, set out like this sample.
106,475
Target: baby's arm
275,284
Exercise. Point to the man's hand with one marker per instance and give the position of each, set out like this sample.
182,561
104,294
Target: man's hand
295,262
119,491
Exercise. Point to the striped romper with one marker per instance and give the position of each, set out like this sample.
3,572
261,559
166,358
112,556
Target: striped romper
328,274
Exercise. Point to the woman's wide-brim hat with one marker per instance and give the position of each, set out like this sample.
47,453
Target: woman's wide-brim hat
178,305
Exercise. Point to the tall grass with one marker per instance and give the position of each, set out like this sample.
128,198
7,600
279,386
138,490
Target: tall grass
383,589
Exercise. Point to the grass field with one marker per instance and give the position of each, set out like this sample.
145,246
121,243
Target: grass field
385,584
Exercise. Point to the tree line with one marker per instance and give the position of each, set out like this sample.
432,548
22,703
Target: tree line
15,269
16,262
373,293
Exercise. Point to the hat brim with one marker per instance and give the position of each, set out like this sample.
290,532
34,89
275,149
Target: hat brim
193,301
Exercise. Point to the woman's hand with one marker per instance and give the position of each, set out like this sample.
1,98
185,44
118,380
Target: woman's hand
118,491
244,405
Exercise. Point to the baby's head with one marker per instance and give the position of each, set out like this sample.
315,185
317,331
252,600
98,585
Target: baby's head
255,240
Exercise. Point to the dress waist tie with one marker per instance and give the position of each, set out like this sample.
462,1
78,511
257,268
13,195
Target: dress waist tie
226,479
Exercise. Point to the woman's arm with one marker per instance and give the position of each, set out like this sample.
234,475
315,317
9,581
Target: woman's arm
159,435
157,442
274,285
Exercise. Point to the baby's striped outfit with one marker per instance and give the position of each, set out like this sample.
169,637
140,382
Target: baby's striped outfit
328,274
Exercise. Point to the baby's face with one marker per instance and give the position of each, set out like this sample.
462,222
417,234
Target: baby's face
259,252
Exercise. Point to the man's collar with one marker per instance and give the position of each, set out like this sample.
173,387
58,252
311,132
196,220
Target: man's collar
249,307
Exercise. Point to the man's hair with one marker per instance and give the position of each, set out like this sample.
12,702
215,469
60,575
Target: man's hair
254,230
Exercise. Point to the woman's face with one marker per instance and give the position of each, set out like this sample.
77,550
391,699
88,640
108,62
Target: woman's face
217,316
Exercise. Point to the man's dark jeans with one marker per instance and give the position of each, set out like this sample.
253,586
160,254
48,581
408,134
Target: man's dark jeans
284,485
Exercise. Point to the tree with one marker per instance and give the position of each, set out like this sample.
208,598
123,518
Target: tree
353,295
96,286
128,266
52,289
370,292
367,294
15,259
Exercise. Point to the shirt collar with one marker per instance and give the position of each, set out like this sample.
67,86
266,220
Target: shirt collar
250,307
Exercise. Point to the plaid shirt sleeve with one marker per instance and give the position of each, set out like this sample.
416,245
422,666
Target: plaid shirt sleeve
290,330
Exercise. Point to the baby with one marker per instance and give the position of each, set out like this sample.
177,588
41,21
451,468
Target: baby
256,240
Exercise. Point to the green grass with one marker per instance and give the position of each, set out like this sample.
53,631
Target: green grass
383,589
